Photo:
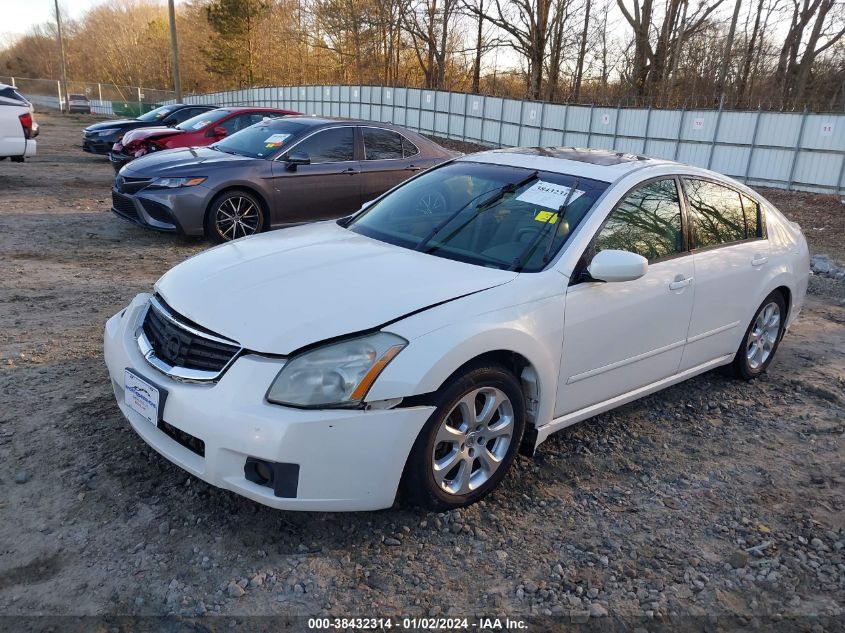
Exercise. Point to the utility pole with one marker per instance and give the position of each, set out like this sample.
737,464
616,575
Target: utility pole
62,51
174,51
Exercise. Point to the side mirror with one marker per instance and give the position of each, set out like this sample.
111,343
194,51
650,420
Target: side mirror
612,265
295,159
218,131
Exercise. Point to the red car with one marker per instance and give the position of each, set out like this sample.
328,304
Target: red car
203,129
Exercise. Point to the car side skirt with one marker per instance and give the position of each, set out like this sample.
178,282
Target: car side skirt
569,419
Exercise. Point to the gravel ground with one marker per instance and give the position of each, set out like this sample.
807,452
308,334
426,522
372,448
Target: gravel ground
714,498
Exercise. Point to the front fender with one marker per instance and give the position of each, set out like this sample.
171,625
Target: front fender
534,331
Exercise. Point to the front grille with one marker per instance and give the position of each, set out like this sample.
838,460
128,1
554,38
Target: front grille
124,205
127,184
193,444
180,345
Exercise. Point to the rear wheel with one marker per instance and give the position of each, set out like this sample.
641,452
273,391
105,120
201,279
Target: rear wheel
234,214
469,443
761,339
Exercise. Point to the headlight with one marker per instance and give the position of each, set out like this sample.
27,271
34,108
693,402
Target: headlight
336,375
172,183
108,132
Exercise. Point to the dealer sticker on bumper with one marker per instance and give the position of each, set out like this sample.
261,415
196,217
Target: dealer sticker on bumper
141,396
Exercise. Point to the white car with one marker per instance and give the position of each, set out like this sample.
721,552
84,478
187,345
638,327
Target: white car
326,366
17,127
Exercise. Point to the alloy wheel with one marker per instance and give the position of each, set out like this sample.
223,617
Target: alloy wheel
472,440
763,336
237,216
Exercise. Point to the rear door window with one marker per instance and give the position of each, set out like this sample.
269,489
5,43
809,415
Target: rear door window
408,148
382,144
329,146
717,213
753,217
646,222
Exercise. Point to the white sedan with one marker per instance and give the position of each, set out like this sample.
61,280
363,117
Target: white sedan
464,316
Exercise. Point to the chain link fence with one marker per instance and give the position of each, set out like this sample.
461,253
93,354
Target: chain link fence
105,99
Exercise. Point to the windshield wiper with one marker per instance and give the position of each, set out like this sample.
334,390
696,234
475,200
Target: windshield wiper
498,195
522,259
225,151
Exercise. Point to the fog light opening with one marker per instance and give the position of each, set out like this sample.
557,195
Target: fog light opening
264,472
283,479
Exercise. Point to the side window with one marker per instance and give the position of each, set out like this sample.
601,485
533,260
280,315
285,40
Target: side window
381,144
239,122
180,115
329,146
408,148
717,213
753,217
646,222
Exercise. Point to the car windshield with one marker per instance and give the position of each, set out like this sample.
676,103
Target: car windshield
202,121
158,114
262,139
490,215
78,97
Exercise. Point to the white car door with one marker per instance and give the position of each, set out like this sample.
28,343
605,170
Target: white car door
12,140
731,255
624,335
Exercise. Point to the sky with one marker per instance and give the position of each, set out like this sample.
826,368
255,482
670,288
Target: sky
20,15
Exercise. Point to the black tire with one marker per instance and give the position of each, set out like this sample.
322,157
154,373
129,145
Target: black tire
742,366
226,202
419,484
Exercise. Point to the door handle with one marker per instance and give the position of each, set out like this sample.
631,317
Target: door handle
680,283
350,171
759,260
412,168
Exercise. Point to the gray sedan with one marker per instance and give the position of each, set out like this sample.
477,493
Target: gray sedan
273,174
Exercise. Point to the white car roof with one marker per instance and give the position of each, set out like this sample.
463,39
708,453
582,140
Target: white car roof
596,164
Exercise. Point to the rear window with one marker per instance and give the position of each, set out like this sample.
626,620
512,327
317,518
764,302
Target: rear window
10,96
78,97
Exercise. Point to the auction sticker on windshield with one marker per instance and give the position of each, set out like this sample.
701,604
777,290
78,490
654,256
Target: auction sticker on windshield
548,194
141,396
275,140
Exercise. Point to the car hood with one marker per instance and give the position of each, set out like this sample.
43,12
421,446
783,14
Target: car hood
116,123
174,162
150,132
280,291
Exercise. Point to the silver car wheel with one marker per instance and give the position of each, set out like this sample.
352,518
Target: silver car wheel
236,217
763,336
473,440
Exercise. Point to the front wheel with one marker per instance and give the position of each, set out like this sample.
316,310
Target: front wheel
234,214
761,339
470,441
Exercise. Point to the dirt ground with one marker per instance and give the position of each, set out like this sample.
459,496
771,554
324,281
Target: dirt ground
713,499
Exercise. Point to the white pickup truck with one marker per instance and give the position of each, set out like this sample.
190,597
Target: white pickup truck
17,125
